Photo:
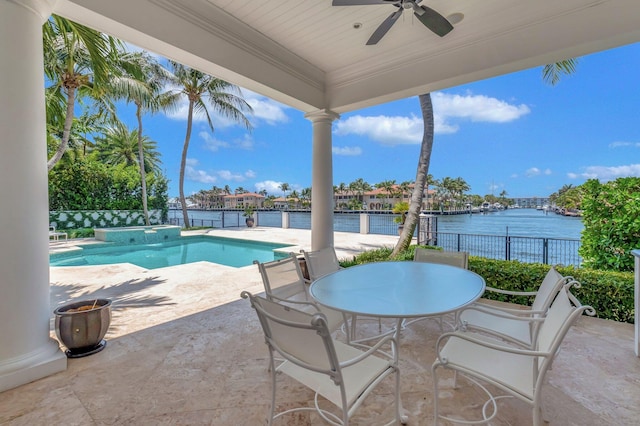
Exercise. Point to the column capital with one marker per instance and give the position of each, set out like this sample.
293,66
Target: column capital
322,115
42,8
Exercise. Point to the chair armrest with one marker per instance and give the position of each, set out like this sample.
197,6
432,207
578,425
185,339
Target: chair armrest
294,302
505,312
510,292
486,342
375,349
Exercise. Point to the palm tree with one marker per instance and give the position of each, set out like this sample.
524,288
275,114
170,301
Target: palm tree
141,83
430,181
119,145
551,73
284,187
388,186
424,159
359,187
305,197
78,61
197,87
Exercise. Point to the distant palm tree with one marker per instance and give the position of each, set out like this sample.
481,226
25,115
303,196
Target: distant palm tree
78,61
388,186
284,187
197,87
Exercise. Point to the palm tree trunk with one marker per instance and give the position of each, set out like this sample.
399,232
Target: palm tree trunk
68,121
421,176
143,176
183,165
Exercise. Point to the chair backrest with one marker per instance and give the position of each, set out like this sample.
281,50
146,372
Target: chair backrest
562,313
321,262
282,278
548,289
297,336
453,258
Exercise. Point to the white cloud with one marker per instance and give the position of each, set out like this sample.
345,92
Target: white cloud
603,173
619,144
265,109
477,108
230,176
396,130
271,186
347,150
211,143
534,171
245,143
386,130
193,174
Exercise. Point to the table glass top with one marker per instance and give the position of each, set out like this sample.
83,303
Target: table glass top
398,289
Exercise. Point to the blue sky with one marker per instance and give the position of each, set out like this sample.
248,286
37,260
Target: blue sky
512,133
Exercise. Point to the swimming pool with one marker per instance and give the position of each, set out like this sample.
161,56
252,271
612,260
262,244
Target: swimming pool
225,251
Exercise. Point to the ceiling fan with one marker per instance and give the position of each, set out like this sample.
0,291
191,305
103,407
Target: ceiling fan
429,17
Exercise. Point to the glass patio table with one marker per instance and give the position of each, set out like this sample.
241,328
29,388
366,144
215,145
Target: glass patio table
400,290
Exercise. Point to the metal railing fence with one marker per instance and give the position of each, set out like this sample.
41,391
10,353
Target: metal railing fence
552,251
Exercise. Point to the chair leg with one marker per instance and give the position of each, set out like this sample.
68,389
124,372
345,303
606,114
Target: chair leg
435,394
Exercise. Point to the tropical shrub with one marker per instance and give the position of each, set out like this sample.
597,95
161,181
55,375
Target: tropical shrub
86,184
611,217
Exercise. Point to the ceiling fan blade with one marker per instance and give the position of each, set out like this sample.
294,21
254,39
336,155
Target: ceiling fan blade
361,2
384,27
433,20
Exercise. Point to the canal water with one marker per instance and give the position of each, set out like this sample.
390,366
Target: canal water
515,222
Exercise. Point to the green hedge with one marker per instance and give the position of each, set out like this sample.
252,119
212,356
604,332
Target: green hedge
609,293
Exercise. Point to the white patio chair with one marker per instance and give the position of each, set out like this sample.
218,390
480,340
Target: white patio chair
56,234
453,258
338,373
459,259
518,372
516,325
284,283
321,262
325,261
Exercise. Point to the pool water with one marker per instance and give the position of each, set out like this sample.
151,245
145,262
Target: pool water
225,251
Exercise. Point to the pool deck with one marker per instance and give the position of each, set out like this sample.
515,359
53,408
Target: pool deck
184,349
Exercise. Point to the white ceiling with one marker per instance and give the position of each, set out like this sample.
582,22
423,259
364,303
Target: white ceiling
307,53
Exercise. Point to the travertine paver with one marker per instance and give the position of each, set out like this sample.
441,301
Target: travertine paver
183,349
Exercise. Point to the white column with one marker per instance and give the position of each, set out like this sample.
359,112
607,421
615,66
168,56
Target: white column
27,353
636,301
322,180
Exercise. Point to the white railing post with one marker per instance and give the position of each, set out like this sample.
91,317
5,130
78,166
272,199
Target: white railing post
364,223
636,292
285,220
